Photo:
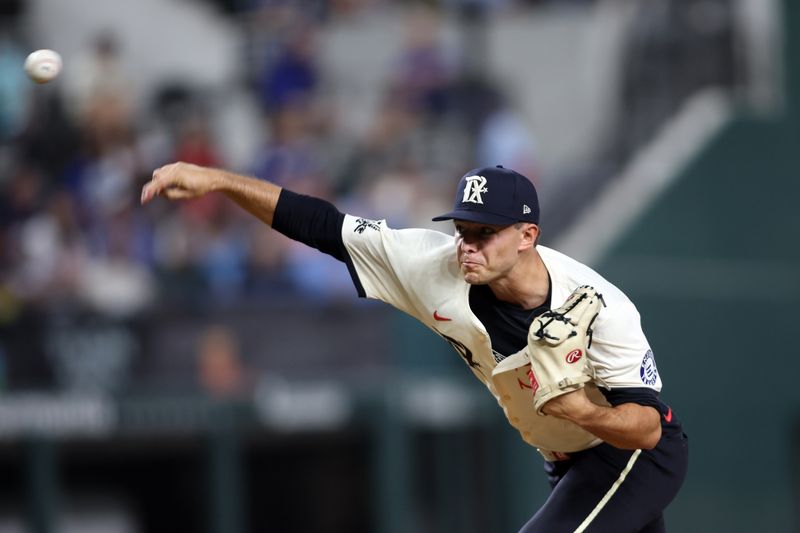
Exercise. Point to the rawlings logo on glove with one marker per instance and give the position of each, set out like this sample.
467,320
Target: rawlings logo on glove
557,342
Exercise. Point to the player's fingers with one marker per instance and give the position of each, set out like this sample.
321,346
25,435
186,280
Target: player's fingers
176,193
163,178
148,192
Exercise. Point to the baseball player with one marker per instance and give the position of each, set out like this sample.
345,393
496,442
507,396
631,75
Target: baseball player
560,348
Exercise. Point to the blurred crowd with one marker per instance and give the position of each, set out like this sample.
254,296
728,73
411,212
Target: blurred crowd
76,152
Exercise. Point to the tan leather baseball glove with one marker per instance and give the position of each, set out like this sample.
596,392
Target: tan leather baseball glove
557,344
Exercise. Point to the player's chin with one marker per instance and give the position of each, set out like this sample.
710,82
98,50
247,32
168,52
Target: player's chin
474,278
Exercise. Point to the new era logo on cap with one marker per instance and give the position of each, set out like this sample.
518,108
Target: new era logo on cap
495,195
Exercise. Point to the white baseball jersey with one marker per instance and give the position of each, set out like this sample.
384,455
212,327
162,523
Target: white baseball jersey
417,271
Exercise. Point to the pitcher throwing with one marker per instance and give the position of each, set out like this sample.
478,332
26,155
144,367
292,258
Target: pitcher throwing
559,347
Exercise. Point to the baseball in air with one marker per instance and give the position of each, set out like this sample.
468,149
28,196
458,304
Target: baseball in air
43,65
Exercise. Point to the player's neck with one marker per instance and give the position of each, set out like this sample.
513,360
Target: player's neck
526,285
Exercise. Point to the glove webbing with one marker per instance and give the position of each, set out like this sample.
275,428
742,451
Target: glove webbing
561,317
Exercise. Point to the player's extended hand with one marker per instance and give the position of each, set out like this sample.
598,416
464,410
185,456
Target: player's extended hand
178,181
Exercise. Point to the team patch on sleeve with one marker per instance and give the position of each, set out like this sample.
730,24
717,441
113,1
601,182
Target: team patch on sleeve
363,223
648,371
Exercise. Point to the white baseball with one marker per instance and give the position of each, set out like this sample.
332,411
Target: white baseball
43,65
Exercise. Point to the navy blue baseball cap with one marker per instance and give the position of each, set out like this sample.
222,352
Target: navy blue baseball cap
494,195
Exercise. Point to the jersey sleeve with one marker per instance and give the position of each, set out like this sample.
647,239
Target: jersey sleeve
387,264
620,353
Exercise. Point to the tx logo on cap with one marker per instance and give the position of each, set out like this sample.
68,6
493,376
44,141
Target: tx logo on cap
475,186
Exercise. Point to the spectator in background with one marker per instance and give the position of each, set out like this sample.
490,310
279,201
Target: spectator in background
267,264
36,240
220,372
504,136
290,154
221,255
52,254
49,138
98,97
195,143
288,92
24,190
422,70
394,140
293,75
97,83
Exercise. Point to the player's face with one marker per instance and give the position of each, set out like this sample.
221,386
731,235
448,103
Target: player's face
487,252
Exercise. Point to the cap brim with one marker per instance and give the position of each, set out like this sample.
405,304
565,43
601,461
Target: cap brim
481,217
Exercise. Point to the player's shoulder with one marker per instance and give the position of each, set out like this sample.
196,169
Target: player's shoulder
567,269
412,268
567,273
357,228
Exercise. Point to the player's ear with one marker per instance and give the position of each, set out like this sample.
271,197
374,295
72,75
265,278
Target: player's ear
530,234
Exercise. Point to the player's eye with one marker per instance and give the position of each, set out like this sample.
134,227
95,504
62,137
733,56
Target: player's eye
486,230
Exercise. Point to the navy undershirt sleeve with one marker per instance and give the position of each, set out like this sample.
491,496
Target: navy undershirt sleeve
647,397
639,395
318,224
312,221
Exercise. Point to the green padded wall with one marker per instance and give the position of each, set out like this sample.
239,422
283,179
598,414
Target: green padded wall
714,268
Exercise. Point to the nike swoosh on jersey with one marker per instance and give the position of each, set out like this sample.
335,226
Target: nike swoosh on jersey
668,416
440,318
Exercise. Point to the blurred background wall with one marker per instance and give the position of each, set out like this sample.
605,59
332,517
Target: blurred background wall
183,368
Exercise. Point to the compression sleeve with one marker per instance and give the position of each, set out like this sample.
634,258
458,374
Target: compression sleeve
640,395
647,397
312,221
